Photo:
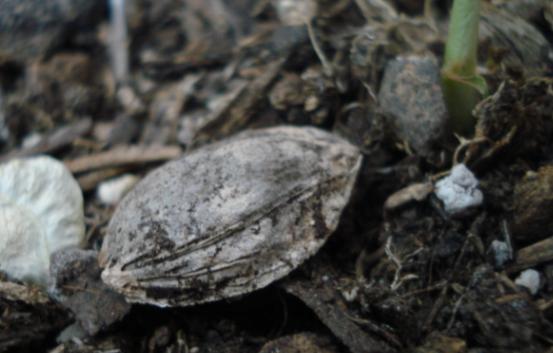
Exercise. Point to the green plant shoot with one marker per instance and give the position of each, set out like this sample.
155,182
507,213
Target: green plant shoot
462,86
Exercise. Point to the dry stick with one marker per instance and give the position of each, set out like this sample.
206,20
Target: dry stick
61,137
89,181
374,328
118,44
545,305
431,288
121,156
455,310
507,237
318,50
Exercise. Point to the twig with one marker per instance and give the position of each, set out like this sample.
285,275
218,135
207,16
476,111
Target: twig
118,45
435,308
121,156
431,288
545,305
322,57
63,136
390,337
89,181
454,311
507,237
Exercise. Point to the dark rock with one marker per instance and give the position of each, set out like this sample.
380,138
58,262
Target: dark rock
523,44
411,97
29,28
75,282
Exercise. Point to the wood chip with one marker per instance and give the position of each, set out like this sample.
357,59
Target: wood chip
413,192
533,255
121,156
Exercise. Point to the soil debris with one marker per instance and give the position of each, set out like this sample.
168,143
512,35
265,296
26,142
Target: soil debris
533,204
76,284
300,343
399,273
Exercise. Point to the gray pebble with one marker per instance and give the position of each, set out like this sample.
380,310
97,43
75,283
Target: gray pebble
76,284
411,97
29,28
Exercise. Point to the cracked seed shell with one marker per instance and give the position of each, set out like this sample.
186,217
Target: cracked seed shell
229,218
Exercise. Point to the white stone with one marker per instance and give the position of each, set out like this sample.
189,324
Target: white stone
112,191
530,279
31,140
501,252
41,211
459,190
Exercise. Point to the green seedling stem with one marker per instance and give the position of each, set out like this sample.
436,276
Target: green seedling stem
462,86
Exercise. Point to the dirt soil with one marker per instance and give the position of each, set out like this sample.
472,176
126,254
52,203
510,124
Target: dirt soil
401,273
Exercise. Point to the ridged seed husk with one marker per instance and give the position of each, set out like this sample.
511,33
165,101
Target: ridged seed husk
230,217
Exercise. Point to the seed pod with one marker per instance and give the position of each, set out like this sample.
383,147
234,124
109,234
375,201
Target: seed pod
229,218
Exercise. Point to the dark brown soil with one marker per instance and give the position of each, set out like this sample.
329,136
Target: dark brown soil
400,274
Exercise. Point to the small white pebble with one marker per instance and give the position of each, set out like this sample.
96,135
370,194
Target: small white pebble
501,252
41,211
31,140
112,191
529,279
350,295
459,190
294,12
